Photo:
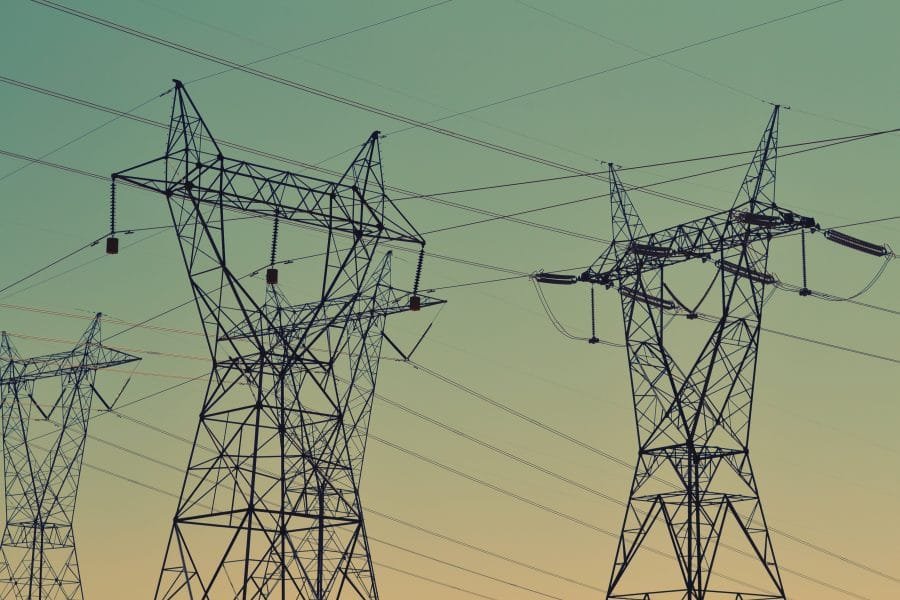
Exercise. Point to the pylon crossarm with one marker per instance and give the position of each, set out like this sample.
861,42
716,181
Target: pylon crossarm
65,363
703,239
194,169
314,315
251,189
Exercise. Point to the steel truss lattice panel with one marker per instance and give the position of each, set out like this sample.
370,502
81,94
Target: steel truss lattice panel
270,505
42,465
694,484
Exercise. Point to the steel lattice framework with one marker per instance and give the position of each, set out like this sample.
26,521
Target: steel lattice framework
41,482
270,506
694,478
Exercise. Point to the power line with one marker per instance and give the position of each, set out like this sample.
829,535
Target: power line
76,267
474,283
435,581
639,51
144,456
243,148
577,520
83,135
444,257
619,67
52,264
325,39
464,569
332,96
819,143
159,490
484,551
612,458
533,466
868,222
485,445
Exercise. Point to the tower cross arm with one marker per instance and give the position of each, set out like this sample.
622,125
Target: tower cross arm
314,315
92,356
257,190
702,239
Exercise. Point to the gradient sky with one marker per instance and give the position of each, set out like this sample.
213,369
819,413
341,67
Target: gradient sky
824,437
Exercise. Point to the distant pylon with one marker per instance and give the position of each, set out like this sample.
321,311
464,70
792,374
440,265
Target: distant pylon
42,471
270,506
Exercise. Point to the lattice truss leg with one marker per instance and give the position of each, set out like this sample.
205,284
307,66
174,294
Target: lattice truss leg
43,447
694,493
270,506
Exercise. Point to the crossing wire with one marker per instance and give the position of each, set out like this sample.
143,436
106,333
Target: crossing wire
384,515
159,490
805,146
520,460
335,97
615,68
622,462
256,152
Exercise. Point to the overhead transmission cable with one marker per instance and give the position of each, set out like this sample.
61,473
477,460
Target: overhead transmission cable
84,135
159,490
618,67
816,144
511,456
323,40
330,95
622,44
389,517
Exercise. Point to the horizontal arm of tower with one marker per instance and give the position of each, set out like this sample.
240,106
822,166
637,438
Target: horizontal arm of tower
262,191
316,315
95,357
703,239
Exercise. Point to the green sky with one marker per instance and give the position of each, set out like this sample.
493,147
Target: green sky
824,441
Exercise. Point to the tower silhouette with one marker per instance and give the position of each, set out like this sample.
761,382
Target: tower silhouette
44,436
270,505
694,492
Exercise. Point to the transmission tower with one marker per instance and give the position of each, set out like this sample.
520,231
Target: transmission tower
270,505
42,458
694,484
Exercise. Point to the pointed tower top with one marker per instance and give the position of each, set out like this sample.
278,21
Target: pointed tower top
187,129
758,187
626,223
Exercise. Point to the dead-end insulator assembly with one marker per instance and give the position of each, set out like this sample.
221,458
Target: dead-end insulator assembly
555,278
857,244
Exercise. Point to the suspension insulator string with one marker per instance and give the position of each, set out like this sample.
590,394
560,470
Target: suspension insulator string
272,272
593,339
112,242
415,301
804,291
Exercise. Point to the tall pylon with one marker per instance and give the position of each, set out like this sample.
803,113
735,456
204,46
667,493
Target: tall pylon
42,467
270,505
694,492
694,474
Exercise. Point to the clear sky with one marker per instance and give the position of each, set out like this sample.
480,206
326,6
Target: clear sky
824,437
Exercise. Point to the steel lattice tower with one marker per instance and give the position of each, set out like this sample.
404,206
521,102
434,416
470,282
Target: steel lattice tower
694,482
270,506
41,483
